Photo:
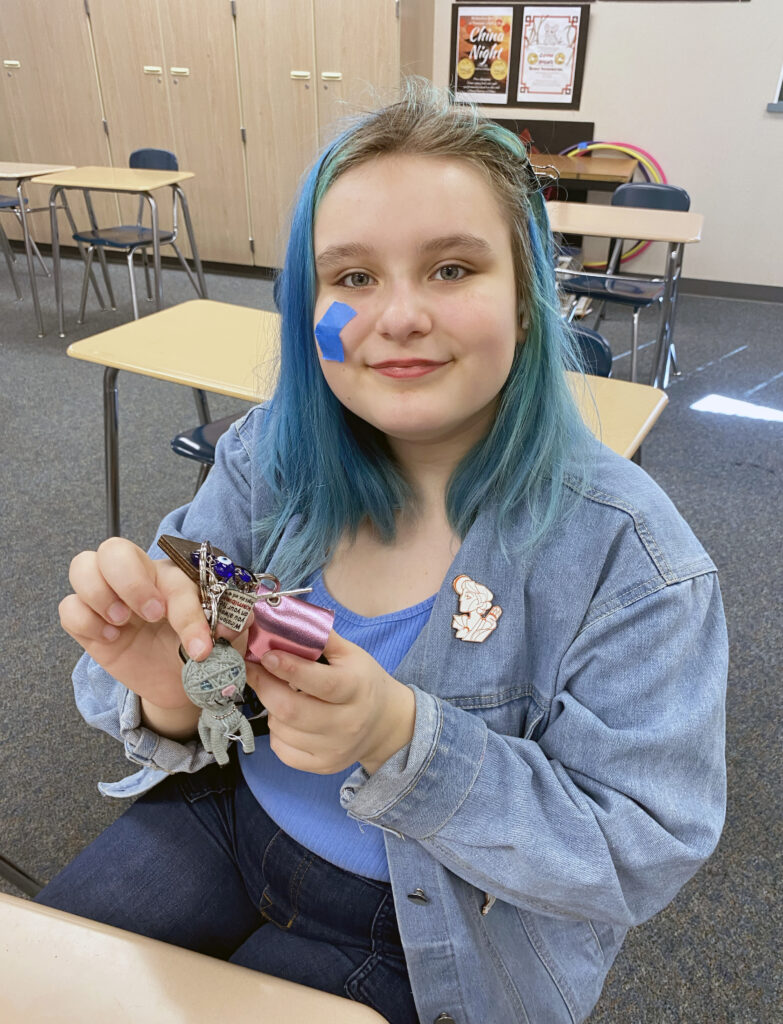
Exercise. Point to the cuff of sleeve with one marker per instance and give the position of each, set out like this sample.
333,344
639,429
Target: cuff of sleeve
418,790
147,748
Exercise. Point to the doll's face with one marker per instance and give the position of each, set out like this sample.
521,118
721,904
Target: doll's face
418,246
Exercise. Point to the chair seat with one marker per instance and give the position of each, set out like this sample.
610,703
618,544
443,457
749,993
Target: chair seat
199,443
124,236
6,202
628,293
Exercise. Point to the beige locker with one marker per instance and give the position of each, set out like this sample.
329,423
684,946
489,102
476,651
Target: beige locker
52,100
131,70
276,50
198,40
304,67
168,78
357,53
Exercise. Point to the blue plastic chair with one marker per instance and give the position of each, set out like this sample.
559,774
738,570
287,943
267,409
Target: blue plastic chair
132,238
635,291
594,351
12,203
199,443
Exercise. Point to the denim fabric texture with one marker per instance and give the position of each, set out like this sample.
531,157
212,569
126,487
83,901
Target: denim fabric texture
566,776
212,872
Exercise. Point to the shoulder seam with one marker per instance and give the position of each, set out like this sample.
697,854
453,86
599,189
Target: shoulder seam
643,590
659,560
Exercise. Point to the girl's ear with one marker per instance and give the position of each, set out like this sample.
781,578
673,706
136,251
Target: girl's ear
523,328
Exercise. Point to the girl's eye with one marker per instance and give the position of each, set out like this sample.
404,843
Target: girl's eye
356,279
451,272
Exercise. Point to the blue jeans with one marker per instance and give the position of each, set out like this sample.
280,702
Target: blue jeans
198,863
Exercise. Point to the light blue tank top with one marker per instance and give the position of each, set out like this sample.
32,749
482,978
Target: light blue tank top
307,806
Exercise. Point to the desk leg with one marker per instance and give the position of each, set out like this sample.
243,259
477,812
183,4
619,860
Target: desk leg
58,282
19,878
28,248
155,250
111,452
5,245
659,377
192,239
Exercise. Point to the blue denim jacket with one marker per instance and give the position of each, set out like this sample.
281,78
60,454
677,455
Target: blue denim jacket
565,777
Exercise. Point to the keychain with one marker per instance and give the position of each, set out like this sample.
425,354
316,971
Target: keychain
230,594
217,684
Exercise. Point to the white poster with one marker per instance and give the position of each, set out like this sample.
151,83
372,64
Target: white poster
547,61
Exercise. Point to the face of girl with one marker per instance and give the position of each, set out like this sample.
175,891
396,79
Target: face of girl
419,247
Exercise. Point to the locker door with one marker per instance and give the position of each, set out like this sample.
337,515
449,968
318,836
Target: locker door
277,74
357,45
131,69
52,97
198,42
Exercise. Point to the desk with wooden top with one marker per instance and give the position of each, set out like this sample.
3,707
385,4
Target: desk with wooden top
130,180
677,229
20,173
56,968
594,172
232,350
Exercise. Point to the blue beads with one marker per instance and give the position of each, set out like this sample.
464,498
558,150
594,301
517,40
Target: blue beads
224,569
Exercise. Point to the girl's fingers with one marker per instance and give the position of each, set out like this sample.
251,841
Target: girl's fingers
318,680
83,624
132,575
92,589
184,611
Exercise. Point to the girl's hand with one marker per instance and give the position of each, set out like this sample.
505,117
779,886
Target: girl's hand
324,718
130,612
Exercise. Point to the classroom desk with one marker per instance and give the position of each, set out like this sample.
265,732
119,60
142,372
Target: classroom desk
232,351
593,172
56,968
676,229
129,180
20,173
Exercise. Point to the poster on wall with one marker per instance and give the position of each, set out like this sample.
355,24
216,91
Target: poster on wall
482,55
551,58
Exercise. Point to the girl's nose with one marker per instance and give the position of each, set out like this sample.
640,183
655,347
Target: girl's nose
403,315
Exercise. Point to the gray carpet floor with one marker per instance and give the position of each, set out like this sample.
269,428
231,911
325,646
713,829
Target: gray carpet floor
712,955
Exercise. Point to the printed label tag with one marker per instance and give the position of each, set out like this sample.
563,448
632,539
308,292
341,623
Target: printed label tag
235,608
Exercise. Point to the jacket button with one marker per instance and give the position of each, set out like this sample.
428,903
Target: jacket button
419,896
444,1018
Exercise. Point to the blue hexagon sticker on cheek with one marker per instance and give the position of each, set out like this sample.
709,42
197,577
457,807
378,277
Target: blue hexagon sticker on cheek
327,331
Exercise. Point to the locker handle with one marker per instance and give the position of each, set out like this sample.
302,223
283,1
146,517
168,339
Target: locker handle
301,74
12,63
332,76
152,69
179,71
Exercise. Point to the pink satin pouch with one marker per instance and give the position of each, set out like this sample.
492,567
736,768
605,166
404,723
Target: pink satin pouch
290,625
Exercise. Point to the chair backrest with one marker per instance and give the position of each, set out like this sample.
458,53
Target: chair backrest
153,160
594,351
652,196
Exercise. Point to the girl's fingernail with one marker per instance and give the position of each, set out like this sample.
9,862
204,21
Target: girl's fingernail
270,661
118,613
110,632
153,610
196,648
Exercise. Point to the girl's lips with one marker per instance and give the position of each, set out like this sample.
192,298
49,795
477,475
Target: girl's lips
406,368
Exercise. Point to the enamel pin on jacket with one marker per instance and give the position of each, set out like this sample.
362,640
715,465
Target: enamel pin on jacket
479,616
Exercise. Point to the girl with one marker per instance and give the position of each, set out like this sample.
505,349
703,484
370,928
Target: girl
515,751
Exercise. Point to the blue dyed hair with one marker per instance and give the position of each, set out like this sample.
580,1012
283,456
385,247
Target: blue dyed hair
333,469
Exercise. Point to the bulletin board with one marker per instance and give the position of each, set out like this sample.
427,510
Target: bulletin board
519,54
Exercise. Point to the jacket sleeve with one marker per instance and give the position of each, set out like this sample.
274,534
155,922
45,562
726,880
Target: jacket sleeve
620,799
220,513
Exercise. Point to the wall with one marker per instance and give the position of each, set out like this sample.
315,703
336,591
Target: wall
690,83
